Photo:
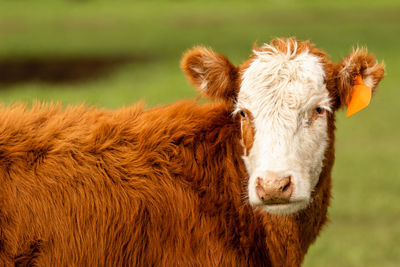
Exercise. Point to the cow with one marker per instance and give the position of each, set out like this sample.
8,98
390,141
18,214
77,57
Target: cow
243,180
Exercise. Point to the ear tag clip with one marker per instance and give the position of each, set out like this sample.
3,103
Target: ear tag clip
360,97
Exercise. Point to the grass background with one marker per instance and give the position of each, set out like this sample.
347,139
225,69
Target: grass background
365,210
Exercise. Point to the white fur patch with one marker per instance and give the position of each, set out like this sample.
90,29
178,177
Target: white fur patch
203,85
368,78
281,90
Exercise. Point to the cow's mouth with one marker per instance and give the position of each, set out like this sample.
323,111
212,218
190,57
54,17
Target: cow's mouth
282,203
279,203
280,207
276,202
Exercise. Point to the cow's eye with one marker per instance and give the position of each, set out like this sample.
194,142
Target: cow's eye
319,110
242,113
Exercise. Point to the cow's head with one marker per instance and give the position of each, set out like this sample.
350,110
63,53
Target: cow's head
285,96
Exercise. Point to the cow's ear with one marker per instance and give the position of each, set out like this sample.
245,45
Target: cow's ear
359,64
212,74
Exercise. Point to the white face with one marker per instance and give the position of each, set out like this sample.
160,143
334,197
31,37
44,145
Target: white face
282,92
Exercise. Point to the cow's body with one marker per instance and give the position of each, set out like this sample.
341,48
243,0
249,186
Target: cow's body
170,185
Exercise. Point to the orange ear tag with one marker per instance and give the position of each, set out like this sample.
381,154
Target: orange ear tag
360,97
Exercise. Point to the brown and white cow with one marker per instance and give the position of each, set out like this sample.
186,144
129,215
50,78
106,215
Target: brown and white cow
244,181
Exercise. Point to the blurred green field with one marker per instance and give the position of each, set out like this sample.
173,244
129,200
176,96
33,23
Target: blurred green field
365,210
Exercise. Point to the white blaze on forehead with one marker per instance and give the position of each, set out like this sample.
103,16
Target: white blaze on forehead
281,91
285,78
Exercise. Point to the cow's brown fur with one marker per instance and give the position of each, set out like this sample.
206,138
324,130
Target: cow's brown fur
161,187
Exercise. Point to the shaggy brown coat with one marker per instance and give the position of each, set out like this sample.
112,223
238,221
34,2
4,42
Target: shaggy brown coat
162,187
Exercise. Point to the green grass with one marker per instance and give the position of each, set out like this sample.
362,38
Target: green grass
365,210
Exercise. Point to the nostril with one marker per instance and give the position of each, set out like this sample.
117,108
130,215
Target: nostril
260,189
286,183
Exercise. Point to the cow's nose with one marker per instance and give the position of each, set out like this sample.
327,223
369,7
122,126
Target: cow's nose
274,189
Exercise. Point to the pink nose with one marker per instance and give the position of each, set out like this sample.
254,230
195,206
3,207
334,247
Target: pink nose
274,189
